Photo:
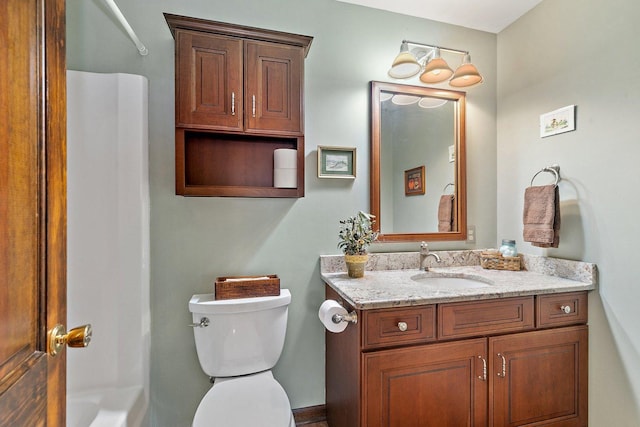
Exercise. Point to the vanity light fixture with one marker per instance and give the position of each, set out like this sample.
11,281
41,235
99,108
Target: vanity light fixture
405,65
426,58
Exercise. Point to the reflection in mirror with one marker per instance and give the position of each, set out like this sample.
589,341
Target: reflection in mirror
418,163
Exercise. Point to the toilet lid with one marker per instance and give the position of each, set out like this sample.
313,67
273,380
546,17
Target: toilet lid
254,400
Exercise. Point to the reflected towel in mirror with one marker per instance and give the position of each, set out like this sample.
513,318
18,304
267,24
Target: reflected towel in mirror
446,213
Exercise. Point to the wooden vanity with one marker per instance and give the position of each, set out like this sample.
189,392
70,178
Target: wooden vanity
513,361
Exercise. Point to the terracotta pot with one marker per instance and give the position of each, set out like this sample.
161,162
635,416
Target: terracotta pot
355,264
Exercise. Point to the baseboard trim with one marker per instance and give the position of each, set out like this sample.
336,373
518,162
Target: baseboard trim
310,414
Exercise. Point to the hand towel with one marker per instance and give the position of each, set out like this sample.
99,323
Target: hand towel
446,212
541,216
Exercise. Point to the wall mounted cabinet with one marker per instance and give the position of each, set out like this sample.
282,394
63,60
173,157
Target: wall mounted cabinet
239,96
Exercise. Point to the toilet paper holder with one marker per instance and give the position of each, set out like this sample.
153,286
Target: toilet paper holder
349,317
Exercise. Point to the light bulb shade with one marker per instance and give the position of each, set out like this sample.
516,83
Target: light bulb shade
466,74
436,71
405,65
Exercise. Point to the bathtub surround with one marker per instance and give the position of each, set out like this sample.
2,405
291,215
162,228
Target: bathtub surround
193,241
108,247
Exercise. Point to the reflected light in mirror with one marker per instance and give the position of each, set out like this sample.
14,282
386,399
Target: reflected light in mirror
385,96
431,102
400,99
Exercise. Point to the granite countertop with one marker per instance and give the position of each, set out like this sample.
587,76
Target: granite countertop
384,286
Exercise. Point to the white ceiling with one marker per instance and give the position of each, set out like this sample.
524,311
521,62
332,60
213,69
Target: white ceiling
486,15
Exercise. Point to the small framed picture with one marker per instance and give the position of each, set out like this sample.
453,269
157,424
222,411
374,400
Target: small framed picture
558,121
414,181
336,162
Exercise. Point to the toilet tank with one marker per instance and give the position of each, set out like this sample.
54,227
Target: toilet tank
243,336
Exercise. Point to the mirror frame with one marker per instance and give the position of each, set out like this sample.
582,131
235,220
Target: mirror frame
461,162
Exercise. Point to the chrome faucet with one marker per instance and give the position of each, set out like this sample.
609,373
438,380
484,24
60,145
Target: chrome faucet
424,254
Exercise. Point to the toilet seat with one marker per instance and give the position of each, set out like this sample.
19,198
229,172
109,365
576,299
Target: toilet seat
256,400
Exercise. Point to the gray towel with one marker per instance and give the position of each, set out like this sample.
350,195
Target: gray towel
541,216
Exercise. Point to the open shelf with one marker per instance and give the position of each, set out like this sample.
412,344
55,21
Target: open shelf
229,164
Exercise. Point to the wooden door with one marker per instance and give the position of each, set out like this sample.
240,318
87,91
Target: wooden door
32,210
539,378
426,386
273,88
208,81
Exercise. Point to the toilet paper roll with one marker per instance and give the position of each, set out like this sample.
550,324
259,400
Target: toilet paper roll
285,158
326,312
285,178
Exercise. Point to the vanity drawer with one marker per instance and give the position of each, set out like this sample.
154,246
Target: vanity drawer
395,326
476,318
561,309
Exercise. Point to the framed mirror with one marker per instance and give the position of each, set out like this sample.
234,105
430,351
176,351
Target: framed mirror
418,163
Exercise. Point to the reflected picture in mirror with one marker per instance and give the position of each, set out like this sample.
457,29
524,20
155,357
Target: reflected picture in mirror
417,132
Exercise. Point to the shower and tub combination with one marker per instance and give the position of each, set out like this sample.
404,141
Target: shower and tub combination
108,248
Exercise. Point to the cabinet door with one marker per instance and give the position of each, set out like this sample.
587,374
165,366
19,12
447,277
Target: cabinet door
273,96
539,378
426,386
208,81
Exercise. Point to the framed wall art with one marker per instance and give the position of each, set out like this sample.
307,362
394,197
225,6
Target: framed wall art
336,162
558,121
414,182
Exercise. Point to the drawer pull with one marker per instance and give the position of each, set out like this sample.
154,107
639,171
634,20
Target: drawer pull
503,374
566,309
402,326
483,377
233,103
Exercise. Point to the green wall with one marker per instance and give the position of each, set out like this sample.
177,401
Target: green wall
194,240
568,52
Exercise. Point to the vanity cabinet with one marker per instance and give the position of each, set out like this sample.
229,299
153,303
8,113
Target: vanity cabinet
239,97
490,363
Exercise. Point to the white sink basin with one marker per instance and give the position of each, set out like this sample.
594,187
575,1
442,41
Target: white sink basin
444,282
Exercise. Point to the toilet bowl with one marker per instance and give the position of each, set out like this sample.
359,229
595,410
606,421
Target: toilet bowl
256,400
238,341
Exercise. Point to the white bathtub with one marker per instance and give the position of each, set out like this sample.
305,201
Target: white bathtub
108,248
119,407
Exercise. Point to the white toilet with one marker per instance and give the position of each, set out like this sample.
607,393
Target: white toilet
238,342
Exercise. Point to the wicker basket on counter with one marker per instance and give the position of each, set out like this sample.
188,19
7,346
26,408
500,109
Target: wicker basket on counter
493,260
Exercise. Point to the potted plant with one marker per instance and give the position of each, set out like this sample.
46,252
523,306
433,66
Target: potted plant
356,234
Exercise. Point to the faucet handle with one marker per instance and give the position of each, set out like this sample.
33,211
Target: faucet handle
424,246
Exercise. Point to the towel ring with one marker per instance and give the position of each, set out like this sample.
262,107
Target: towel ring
555,169
449,184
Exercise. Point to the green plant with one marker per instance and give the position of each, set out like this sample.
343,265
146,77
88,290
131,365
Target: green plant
356,233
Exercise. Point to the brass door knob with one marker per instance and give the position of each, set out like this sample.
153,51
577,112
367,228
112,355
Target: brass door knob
79,337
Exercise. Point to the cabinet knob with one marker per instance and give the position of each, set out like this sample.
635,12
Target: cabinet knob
402,326
566,309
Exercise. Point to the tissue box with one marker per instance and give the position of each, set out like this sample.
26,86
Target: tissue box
246,287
